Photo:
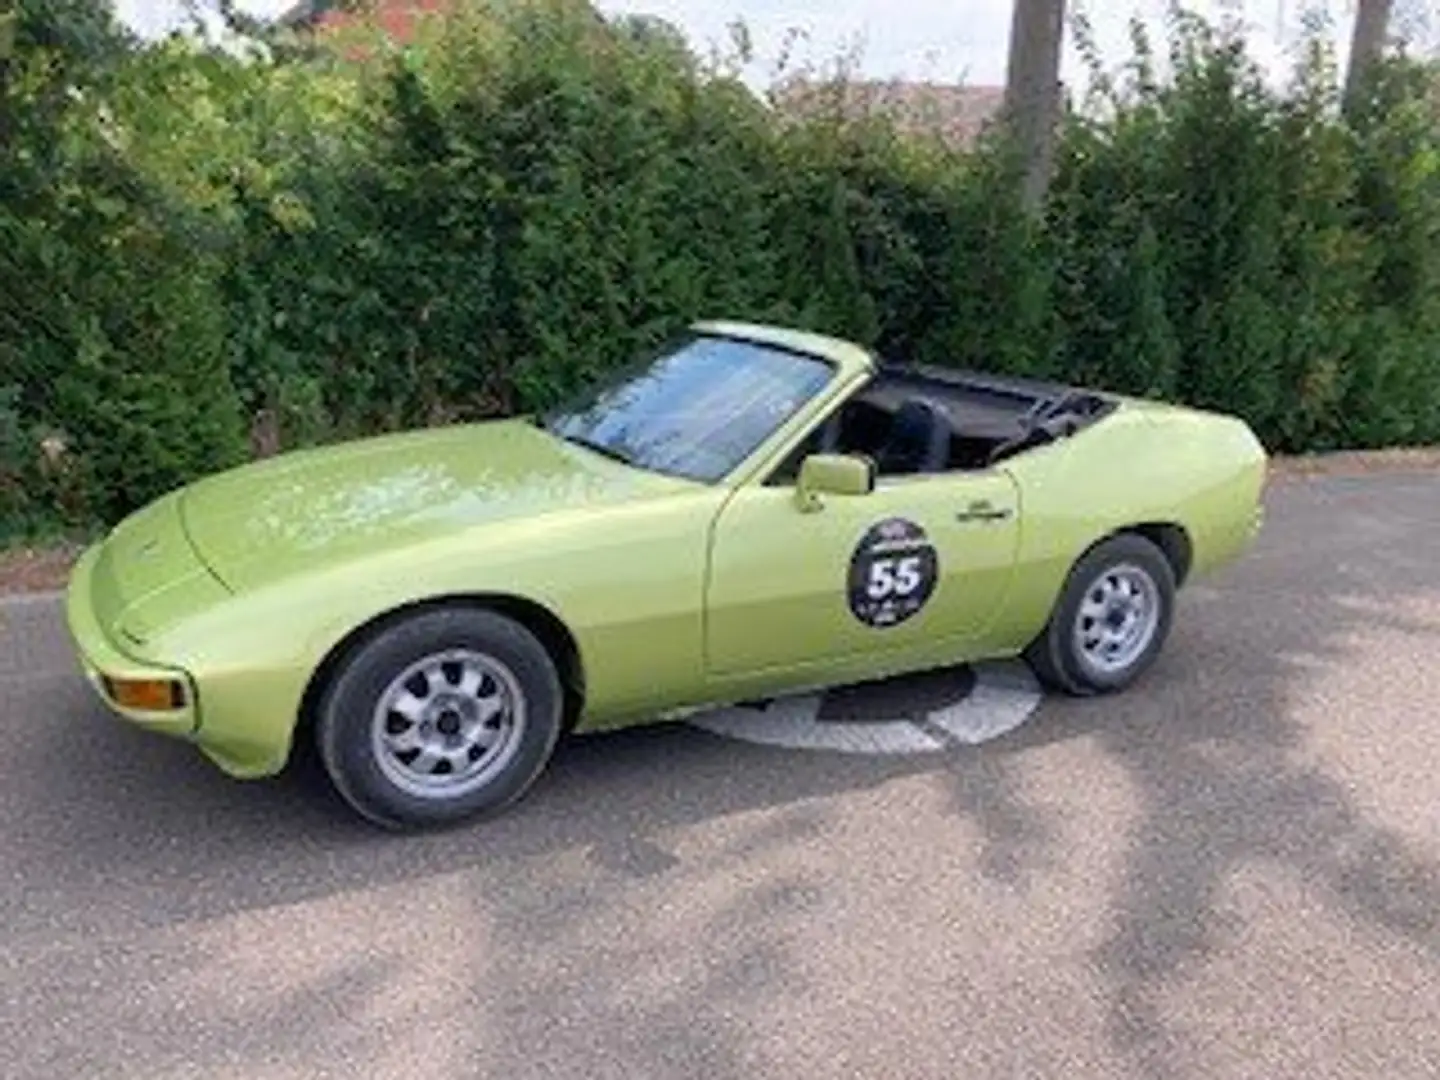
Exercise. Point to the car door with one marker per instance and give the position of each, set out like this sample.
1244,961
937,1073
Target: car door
920,564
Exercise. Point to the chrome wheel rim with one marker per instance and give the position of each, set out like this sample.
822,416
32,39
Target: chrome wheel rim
1117,619
448,724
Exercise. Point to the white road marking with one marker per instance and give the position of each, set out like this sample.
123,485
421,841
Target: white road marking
1004,696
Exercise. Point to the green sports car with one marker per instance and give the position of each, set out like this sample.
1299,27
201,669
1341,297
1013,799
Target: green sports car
747,513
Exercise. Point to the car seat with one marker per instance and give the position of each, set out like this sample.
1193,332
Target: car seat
918,440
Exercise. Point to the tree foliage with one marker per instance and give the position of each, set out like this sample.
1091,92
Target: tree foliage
208,254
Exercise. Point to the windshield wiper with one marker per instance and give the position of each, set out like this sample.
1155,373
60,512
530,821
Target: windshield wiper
600,448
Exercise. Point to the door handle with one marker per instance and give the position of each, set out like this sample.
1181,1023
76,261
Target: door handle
983,510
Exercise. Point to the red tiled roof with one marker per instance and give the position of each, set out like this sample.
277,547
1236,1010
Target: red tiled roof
397,18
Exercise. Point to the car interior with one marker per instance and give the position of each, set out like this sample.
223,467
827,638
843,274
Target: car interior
916,421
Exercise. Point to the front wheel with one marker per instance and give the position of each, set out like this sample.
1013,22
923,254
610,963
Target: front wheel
1112,619
439,718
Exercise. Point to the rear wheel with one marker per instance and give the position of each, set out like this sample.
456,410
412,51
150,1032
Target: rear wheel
442,717
1112,619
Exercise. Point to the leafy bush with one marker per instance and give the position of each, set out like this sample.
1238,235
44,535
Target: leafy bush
111,334
206,256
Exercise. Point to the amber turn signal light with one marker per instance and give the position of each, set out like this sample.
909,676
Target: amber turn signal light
152,695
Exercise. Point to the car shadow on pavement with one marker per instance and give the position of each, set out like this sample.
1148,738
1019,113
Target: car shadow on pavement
100,798
135,843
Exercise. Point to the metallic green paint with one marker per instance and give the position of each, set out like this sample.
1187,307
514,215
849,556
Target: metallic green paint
675,594
100,657
832,474
298,513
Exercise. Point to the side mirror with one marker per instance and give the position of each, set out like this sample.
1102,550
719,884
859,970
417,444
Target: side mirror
832,474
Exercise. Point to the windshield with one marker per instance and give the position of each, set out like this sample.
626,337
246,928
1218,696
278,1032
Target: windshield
697,410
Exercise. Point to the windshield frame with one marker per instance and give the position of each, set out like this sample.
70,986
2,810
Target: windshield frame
594,392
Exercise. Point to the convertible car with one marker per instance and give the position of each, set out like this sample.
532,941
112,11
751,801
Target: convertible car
748,512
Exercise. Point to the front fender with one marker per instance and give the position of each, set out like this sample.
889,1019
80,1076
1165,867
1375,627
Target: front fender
627,586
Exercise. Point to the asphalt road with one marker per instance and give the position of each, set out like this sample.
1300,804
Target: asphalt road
1232,871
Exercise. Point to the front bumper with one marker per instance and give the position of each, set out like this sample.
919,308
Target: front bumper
101,659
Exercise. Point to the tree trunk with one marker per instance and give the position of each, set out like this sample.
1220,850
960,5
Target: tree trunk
1367,43
1032,91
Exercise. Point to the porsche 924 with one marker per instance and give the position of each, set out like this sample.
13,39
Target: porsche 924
747,512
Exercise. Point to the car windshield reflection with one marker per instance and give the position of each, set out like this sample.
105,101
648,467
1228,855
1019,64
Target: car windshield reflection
697,410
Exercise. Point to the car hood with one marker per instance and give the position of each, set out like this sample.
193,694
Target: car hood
313,508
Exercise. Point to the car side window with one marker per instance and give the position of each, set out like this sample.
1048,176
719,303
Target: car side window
915,438
788,470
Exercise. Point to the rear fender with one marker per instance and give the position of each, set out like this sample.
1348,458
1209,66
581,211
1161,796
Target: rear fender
1143,470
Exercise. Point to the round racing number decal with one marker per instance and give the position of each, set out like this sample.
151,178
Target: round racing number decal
892,573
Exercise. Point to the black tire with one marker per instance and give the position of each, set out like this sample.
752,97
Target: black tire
1060,662
497,649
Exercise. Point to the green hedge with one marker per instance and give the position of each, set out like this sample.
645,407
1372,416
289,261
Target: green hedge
204,257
